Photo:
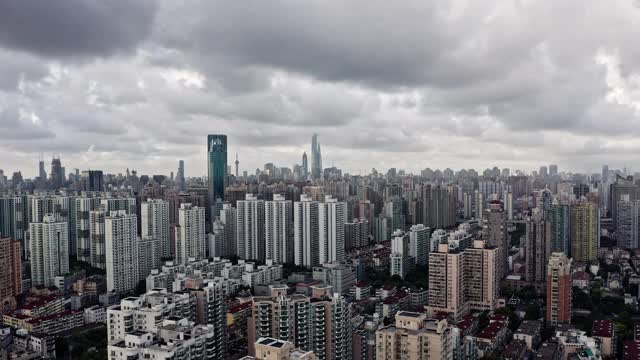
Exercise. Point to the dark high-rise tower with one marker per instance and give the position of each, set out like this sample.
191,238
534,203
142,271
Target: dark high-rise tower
305,166
217,166
41,173
57,173
181,181
316,158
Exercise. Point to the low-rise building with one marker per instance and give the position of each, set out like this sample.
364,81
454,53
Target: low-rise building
529,331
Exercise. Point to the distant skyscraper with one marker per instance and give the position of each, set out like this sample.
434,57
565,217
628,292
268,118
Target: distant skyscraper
41,173
49,246
605,173
543,171
182,184
558,289
217,167
553,170
57,173
316,158
92,180
121,248
305,166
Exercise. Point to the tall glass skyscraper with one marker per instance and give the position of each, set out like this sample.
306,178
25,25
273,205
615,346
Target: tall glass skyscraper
217,165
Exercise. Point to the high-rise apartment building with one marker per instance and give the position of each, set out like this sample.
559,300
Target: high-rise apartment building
621,187
83,208
49,248
414,337
11,274
97,238
495,231
419,243
439,205
14,219
279,230
464,280
537,247
190,234
356,233
250,228
155,224
558,289
401,260
306,224
332,216
585,231
321,325
121,251
628,223
217,167
560,228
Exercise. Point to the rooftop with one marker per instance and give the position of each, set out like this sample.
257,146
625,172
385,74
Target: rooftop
603,328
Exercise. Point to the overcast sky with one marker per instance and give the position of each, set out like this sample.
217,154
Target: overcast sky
411,84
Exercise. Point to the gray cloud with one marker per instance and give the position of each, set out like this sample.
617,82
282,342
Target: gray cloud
73,28
439,84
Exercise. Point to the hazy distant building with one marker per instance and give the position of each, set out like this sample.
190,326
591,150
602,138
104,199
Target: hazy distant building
619,189
92,180
356,233
316,158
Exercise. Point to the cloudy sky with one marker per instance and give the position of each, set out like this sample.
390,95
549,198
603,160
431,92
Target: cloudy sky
411,84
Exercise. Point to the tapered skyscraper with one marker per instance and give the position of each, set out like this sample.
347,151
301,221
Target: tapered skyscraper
316,158
217,166
305,166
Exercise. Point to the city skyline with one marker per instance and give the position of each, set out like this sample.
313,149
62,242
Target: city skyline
143,90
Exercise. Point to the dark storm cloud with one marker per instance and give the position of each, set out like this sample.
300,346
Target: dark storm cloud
72,28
